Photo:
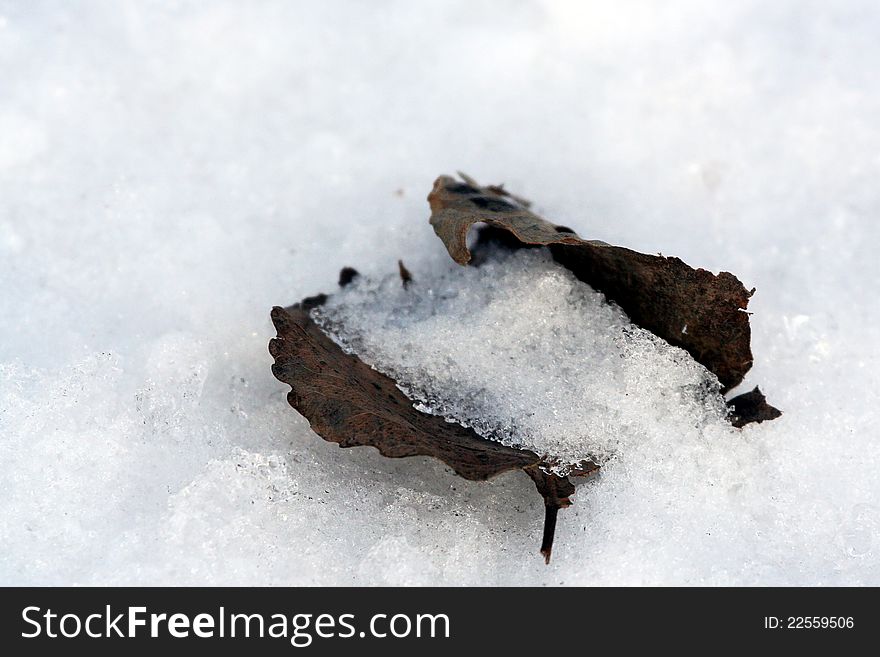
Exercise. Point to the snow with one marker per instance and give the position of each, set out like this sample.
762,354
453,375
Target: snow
526,354
170,171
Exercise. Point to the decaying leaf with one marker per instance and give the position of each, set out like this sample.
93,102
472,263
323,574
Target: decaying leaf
405,276
351,404
694,309
751,407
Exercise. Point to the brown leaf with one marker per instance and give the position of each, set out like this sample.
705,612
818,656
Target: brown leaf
751,407
349,403
405,275
694,309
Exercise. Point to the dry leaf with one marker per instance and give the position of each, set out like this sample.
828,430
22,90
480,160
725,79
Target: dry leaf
349,403
694,309
751,407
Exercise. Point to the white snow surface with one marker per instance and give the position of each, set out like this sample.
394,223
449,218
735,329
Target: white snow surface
171,170
527,355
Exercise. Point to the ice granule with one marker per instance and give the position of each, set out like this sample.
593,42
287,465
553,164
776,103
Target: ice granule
526,354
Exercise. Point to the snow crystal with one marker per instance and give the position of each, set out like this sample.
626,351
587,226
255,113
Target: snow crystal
526,354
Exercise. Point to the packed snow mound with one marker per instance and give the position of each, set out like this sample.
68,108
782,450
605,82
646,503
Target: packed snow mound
526,354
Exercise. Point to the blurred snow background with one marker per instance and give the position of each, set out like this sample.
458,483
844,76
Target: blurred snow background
169,171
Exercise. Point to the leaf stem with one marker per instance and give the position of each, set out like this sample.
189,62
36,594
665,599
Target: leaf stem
550,511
